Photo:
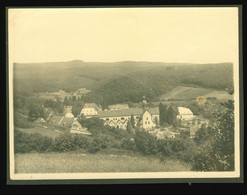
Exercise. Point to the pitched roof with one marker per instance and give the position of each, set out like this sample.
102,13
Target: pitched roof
39,120
55,119
118,106
59,120
126,112
67,120
91,105
154,110
184,111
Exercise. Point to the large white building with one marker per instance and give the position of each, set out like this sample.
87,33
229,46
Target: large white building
145,118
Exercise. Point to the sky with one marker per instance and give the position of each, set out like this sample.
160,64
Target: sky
189,35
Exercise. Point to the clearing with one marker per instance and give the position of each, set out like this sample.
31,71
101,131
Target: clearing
184,92
53,133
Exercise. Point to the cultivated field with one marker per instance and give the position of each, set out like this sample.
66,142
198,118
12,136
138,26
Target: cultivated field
82,162
184,92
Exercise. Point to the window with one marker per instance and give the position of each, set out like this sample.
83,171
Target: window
148,122
147,118
145,122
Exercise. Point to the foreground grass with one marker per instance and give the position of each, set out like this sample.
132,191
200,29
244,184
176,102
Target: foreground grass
101,162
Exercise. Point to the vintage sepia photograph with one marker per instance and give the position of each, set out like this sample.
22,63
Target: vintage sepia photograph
123,93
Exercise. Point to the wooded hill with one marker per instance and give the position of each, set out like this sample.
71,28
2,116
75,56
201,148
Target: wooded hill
118,82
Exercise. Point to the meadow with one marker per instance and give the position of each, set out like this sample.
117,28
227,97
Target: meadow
49,132
79,162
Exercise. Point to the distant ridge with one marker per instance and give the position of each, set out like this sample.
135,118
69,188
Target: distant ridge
127,62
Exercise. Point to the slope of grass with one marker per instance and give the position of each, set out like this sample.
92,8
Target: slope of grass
82,162
41,130
186,93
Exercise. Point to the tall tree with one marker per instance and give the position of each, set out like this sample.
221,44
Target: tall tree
163,114
76,108
132,121
171,115
216,142
35,112
161,111
130,128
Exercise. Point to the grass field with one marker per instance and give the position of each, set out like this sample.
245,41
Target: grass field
43,131
184,92
83,162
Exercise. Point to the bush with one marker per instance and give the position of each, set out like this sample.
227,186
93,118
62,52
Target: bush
91,123
63,143
68,142
24,142
128,144
82,142
164,148
22,122
103,141
145,143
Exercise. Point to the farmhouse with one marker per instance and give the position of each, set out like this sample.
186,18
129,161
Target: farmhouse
184,113
90,110
78,129
146,118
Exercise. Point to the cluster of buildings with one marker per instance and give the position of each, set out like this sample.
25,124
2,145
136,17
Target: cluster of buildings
61,94
116,116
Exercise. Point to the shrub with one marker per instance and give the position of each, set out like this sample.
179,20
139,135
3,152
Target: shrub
145,143
63,143
21,122
103,141
164,148
128,144
82,142
24,142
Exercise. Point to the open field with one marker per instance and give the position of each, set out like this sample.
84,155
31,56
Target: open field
184,92
100,162
43,131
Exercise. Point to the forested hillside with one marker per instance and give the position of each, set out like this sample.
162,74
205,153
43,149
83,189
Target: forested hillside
159,80
118,82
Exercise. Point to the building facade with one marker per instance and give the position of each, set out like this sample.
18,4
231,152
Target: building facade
90,110
147,119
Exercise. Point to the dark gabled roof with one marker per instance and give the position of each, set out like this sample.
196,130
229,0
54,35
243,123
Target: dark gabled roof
60,120
39,120
154,110
126,112
55,119
67,120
